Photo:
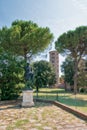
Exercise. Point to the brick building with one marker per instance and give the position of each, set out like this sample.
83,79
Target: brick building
54,60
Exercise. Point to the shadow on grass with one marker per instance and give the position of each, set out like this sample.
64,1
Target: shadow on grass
64,98
19,106
72,101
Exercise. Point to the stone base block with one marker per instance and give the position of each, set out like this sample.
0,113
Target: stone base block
28,98
27,104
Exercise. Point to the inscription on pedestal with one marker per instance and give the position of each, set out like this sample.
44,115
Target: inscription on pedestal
28,98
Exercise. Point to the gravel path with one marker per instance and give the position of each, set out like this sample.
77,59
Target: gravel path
43,116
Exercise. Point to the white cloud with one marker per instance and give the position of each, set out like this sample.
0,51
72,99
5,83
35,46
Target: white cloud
81,4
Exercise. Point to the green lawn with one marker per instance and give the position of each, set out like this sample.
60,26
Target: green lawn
78,101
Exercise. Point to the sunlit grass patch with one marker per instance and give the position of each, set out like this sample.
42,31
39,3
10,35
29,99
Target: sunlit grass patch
19,123
78,101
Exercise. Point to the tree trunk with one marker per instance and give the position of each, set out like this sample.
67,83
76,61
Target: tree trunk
37,90
65,86
25,53
75,75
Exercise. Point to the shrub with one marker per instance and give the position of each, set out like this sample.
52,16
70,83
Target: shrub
82,90
11,75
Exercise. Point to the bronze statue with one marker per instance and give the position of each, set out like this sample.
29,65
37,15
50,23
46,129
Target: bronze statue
28,74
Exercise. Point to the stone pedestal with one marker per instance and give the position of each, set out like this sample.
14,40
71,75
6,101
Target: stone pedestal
27,98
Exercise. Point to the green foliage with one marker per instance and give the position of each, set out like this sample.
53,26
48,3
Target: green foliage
82,74
44,74
73,43
25,36
67,68
82,90
11,74
19,39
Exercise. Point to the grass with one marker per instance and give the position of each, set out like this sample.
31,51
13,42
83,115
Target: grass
18,124
78,101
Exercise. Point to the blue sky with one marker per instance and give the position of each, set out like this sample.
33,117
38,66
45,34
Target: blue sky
59,15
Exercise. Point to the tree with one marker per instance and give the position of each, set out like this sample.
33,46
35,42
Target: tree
73,43
24,37
67,68
82,74
44,74
11,75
